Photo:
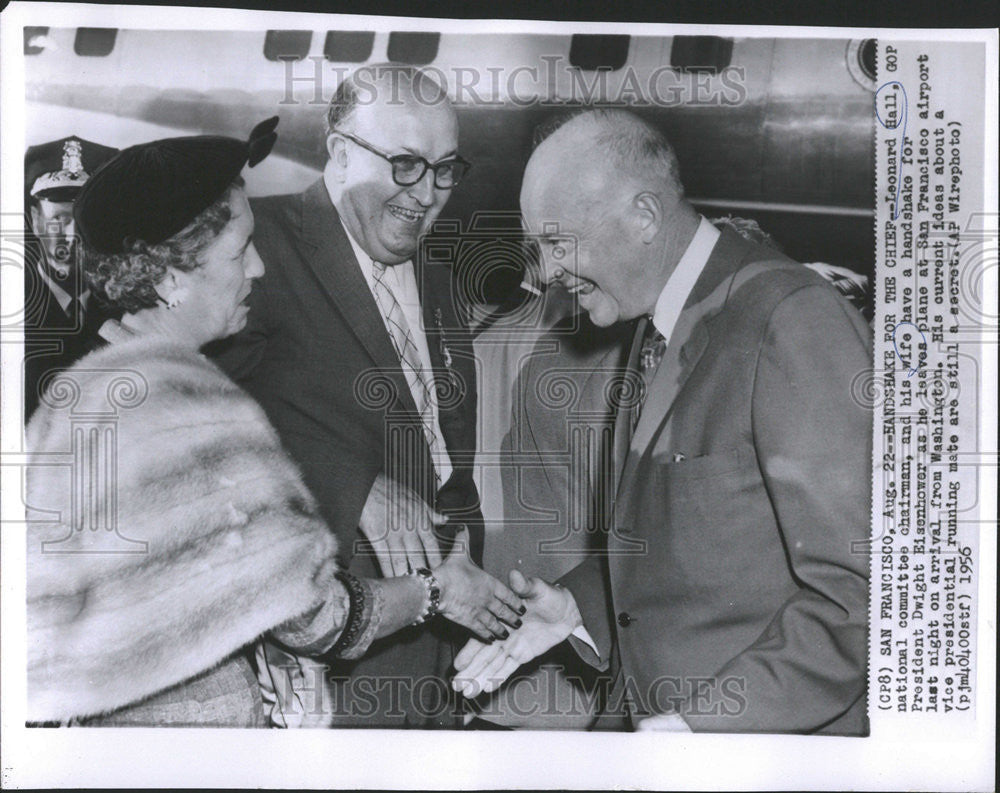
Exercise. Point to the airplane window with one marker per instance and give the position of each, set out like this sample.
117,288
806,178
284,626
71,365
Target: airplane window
348,46
701,53
31,37
94,42
413,48
598,52
287,45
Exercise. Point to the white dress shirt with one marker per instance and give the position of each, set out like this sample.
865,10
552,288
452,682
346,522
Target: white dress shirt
678,288
402,282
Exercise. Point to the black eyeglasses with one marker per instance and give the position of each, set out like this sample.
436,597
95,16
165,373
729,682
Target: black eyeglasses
408,169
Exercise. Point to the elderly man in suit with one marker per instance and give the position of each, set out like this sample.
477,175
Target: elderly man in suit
733,591
354,348
60,318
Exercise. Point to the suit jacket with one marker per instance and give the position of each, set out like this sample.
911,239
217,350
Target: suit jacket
317,356
53,339
735,584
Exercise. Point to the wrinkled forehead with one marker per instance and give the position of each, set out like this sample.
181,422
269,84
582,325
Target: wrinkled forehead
401,123
553,194
53,209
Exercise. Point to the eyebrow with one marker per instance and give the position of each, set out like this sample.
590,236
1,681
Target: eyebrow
451,154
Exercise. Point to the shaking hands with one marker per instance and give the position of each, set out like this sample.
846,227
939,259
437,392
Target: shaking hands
474,598
550,617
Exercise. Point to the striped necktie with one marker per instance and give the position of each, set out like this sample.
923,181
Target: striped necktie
418,380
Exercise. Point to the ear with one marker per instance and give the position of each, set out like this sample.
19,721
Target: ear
336,147
170,283
647,215
36,219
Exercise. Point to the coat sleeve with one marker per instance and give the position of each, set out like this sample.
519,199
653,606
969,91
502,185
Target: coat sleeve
813,441
588,582
217,539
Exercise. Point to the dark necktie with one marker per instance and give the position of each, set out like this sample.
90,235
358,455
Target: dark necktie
77,312
650,354
86,322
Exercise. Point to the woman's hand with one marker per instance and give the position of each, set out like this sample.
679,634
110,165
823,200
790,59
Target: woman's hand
552,615
474,598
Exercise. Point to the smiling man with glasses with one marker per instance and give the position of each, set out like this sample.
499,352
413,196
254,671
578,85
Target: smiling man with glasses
354,350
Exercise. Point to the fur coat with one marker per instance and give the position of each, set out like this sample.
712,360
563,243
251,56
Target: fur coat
166,529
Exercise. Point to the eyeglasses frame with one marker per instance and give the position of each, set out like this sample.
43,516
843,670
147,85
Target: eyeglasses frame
393,158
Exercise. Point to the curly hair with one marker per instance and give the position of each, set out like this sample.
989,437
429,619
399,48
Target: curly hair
129,280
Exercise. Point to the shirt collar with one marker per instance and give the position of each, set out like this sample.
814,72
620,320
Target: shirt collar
678,288
62,297
364,260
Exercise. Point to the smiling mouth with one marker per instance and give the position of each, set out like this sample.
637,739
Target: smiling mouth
582,288
406,215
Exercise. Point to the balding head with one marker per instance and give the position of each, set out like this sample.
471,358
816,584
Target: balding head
609,181
383,83
597,151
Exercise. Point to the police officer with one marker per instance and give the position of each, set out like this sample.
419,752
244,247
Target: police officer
61,319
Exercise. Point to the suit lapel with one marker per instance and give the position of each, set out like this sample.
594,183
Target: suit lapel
336,268
687,343
602,466
433,324
685,348
445,336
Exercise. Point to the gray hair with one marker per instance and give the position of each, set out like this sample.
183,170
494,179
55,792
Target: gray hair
634,145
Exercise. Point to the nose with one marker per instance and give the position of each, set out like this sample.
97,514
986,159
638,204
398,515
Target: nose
69,227
552,271
423,191
253,265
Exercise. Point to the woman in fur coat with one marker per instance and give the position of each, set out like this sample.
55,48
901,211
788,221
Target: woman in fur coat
180,532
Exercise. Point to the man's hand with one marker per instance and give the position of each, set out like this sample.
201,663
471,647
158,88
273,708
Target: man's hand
400,527
551,616
474,598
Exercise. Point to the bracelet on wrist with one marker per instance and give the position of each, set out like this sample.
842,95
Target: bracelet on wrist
432,601
354,624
